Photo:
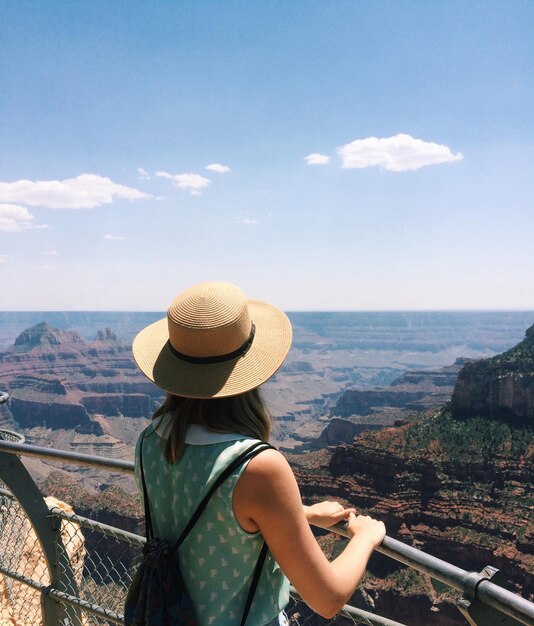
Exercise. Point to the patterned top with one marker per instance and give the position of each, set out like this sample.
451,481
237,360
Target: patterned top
217,558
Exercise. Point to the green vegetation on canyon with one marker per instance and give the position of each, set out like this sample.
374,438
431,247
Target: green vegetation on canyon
441,437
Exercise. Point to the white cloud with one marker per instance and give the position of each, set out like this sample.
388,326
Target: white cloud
3,258
143,174
14,218
317,159
188,182
114,237
51,253
244,218
15,212
217,167
83,192
396,154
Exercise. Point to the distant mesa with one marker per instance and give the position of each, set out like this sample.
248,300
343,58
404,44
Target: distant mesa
44,336
359,410
501,387
104,445
59,381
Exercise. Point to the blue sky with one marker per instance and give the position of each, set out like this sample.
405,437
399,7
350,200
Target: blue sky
361,155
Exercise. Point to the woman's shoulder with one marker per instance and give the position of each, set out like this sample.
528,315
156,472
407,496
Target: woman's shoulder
268,484
268,462
268,471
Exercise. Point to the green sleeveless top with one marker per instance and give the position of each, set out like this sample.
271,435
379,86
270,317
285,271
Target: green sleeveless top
217,558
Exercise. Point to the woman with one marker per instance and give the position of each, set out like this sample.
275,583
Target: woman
210,354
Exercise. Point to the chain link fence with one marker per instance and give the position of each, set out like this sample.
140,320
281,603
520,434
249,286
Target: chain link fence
58,568
20,552
101,562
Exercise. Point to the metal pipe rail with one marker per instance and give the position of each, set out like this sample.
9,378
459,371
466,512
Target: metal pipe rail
472,584
74,458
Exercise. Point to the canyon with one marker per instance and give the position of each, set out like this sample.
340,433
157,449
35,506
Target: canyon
443,454
63,388
456,485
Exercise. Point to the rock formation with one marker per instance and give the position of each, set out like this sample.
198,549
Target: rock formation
46,338
501,387
415,390
362,402
340,430
105,334
59,381
131,404
471,509
33,412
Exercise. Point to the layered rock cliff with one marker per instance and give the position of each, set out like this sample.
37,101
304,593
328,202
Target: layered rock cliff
69,415
415,390
461,491
501,387
57,380
457,485
340,430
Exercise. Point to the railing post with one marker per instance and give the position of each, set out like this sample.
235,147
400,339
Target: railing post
49,608
17,478
476,612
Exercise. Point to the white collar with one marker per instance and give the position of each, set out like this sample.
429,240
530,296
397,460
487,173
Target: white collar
196,434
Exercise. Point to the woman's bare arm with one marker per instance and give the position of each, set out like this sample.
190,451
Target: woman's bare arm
267,498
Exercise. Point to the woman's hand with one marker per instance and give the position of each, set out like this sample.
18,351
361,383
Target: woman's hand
366,528
326,514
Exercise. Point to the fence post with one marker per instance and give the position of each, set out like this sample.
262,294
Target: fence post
17,478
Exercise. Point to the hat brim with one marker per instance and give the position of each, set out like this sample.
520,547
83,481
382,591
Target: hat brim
272,340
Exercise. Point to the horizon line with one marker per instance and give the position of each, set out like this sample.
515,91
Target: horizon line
288,311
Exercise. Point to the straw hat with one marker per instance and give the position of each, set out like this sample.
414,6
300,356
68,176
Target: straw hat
214,342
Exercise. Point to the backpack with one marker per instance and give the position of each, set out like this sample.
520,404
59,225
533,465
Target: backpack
157,595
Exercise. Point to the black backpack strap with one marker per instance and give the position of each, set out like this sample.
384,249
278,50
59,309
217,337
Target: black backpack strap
254,583
149,531
248,454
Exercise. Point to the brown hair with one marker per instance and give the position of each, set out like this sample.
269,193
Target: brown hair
245,413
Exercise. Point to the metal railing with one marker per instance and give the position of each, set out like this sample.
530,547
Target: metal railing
77,569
